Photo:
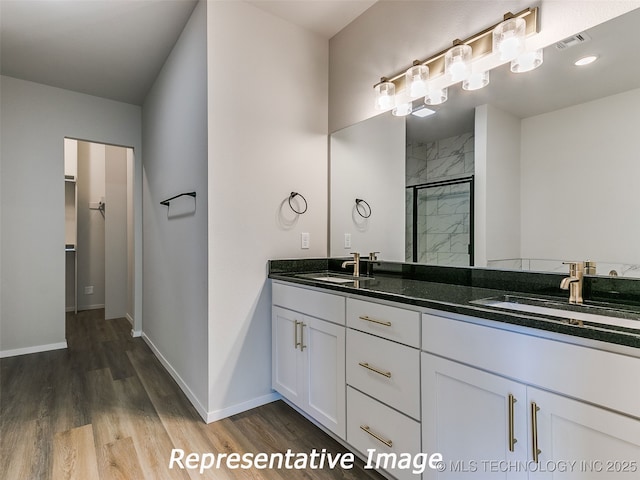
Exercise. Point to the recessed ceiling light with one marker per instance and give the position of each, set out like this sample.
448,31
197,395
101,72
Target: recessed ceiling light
423,112
586,60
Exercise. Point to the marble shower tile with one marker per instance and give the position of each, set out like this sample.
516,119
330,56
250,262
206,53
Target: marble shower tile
445,166
460,243
445,224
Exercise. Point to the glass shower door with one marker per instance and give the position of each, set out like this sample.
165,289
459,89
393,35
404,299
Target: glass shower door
441,222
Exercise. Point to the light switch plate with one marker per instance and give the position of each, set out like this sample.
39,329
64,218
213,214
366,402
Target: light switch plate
347,240
304,241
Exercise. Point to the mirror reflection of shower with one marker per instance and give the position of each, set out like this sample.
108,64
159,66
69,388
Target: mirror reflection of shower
439,201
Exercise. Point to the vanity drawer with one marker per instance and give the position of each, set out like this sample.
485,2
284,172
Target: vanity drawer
394,323
310,302
386,370
372,425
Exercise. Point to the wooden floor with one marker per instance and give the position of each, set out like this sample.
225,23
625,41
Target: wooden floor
105,408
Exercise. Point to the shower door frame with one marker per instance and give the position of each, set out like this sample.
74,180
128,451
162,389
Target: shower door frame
442,183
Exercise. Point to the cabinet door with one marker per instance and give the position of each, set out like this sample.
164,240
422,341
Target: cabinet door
469,416
581,441
324,347
287,367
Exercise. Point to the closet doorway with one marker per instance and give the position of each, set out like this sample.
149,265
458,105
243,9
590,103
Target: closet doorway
99,244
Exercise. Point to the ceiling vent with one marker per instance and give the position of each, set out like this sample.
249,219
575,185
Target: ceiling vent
572,41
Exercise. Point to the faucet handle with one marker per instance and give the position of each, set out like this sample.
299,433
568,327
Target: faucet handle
373,256
575,267
356,256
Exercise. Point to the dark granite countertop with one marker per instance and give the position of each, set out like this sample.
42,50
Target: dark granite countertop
458,290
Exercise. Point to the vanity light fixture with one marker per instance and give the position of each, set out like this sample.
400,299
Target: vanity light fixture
585,60
457,63
476,81
385,95
508,38
416,80
505,41
436,96
402,109
527,61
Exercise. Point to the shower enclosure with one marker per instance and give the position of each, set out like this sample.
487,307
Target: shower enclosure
440,222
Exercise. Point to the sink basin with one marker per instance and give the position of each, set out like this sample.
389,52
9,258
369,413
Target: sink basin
576,314
333,277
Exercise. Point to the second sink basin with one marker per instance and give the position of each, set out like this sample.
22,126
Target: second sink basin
573,313
334,277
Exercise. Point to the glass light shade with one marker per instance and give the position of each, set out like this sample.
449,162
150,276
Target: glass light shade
508,38
416,80
457,63
402,109
476,81
385,93
527,62
436,96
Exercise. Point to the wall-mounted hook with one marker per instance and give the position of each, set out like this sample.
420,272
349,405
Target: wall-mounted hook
292,196
363,208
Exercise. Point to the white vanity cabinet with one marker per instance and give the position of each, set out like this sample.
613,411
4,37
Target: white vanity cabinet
502,404
308,353
383,380
470,416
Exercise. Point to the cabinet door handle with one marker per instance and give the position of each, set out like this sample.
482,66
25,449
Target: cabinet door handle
373,320
534,431
302,345
374,369
296,343
512,439
366,428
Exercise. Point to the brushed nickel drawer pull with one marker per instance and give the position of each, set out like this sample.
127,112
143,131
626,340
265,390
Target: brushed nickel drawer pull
374,369
296,343
534,431
512,439
366,428
373,320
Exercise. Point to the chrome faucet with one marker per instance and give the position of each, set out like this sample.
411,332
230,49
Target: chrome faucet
355,262
573,282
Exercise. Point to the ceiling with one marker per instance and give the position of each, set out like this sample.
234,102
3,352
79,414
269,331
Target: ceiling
325,17
556,84
116,48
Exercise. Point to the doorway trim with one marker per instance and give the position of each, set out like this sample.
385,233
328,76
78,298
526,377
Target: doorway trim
136,321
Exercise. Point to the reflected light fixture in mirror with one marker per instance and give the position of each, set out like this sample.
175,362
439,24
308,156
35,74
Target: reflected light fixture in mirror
402,109
436,96
423,112
476,81
527,61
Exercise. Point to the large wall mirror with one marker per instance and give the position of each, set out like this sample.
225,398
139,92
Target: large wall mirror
533,170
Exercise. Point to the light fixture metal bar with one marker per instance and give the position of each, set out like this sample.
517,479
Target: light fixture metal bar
481,44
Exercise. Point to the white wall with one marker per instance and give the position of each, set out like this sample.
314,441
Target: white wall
368,162
175,247
497,185
91,225
131,269
387,37
35,119
267,98
580,171
115,229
